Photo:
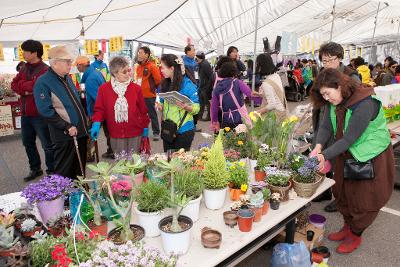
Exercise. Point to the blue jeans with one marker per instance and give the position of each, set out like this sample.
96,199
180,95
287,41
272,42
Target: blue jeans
30,128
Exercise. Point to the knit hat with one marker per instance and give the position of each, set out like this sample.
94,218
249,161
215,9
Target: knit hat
60,52
81,60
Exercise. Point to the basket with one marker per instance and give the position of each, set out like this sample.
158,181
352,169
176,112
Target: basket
305,189
283,191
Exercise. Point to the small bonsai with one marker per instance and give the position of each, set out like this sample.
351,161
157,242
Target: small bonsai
266,194
28,225
215,172
238,175
7,239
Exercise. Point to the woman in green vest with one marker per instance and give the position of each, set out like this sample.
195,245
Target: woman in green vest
362,152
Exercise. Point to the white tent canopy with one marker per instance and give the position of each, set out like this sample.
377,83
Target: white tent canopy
206,22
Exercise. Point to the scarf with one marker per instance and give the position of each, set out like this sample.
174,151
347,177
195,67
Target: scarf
121,104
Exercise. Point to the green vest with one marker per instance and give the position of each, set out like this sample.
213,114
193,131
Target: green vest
373,141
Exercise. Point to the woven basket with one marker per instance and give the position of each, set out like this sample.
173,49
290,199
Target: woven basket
307,190
283,191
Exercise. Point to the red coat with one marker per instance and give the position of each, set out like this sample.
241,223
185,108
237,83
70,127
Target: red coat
138,118
23,84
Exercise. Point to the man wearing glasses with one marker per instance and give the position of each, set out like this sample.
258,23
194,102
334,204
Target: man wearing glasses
331,55
389,75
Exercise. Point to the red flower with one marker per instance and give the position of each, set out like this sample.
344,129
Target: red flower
80,236
59,254
93,234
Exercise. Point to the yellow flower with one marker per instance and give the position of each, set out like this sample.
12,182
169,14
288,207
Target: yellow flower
241,163
293,119
252,116
227,129
243,187
232,167
284,123
240,142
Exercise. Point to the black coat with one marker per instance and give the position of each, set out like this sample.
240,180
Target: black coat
206,78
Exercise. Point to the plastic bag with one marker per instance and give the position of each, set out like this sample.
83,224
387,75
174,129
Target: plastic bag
290,255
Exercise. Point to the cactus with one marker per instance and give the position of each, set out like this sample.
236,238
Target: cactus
28,225
7,240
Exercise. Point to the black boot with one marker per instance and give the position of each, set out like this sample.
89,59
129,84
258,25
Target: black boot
32,175
326,195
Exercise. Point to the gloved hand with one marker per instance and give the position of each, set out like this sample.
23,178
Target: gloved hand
94,132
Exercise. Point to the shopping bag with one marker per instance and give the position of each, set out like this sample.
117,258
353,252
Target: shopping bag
290,255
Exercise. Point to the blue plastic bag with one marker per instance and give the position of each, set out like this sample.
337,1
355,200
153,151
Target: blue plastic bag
290,255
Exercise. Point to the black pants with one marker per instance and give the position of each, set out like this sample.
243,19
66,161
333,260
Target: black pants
181,141
67,163
107,134
155,124
204,104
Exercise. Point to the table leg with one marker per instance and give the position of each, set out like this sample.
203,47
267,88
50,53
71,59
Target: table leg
290,231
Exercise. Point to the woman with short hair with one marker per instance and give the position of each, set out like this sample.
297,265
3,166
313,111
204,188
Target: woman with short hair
121,104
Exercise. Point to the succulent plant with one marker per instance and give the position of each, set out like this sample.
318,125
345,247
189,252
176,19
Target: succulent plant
28,225
257,200
7,239
39,236
7,219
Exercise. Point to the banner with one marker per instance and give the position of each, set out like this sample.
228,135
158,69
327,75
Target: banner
6,121
20,54
116,43
91,47
46,48
1,52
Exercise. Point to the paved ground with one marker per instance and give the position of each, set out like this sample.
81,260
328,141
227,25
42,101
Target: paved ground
381,242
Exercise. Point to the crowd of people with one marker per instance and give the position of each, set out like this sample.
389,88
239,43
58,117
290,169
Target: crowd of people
348,120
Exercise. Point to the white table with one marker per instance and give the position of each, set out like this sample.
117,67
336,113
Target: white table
238,245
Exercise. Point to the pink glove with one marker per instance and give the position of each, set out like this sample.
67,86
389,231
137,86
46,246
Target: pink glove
327,166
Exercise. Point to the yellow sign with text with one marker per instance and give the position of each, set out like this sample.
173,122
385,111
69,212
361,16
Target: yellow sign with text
1,52
116,43
92,47
46,48
20,54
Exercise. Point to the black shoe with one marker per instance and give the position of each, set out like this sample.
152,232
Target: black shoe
156,137
331,207
32,175
327,195
49,173
108,155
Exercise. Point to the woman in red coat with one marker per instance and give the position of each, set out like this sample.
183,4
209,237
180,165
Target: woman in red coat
121,104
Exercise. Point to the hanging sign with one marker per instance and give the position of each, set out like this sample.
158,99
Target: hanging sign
20,54
116,43
6,121
91,47
46,48
1,52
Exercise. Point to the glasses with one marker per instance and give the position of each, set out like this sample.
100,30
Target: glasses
329,60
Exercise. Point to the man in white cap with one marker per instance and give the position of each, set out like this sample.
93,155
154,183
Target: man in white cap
58,102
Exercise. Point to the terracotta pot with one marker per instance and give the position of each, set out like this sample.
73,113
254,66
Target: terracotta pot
235,194
210,238
265,208
31,233
19,219
102,229
56,232
259,175
7,252
137,230
230,218
245,219
257,214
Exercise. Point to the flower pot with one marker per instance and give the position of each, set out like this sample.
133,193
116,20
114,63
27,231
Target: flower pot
230,218
210,238
50,209
19,219
283,191
274,204
257,214
137,230
245,219
192,209
214,199
265,208
149,221
176,242
235,194
317,220
259,175
102,229
7,252
38,228
56,232
307,189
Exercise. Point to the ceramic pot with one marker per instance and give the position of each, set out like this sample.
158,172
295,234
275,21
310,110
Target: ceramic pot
176,242
230,218
50,209
149,221
214,199
137,230
210,238
192,209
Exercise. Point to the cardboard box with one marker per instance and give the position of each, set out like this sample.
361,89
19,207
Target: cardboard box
300,235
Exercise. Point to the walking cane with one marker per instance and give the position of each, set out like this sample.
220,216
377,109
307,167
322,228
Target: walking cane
96,151
79,156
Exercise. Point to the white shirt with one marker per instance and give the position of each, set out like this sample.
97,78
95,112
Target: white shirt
273,101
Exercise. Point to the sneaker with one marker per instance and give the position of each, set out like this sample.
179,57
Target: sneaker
32,175
156,137
351,243
341,235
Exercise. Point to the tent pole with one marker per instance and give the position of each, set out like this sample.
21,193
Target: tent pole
253,84
373,34
397,39
333,20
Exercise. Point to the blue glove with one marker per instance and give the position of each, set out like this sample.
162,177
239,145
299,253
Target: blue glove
94,132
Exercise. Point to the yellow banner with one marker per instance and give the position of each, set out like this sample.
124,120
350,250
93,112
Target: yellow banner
20,54
91,47
46,48
1,52
116,43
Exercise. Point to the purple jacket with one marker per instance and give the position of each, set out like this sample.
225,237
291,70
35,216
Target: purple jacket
222,87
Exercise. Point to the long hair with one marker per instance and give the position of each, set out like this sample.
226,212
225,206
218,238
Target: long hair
332,78
168,84
265,65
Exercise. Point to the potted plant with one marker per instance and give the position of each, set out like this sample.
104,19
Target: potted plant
23,213
245,219
266,196
256,204
57,227
258,186
190,183
152,198
306,179
275,201
48,194
244,200
7,219
279,182
7,241
29,227
259,172
238,180
215,176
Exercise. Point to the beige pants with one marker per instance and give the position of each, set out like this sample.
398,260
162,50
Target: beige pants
125,144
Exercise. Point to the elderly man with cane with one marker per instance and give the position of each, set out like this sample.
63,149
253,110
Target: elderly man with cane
58,102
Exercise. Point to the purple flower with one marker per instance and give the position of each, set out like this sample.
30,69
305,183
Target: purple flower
48,188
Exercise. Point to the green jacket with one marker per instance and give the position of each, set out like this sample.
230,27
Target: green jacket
373,141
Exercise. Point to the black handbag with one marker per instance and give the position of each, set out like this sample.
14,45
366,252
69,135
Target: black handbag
169,129
355,170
